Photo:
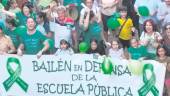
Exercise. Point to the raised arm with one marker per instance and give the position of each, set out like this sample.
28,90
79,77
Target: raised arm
84,19
11,14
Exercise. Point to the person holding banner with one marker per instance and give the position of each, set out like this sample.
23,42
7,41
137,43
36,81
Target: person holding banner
32,40
6,45
163,58
116,51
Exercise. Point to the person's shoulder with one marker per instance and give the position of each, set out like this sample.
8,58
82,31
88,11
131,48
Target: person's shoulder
158,33
168,59
71,50
121,49
38,33
20,29
157,59
141,46
142,34
129,19
82,12
19,13
130,49
110,50
7,38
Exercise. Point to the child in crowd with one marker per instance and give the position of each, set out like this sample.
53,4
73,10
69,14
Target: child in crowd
136,51
94,47
126,29
115,51
163,58
64,48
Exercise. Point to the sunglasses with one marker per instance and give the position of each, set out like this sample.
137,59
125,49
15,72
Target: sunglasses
167,28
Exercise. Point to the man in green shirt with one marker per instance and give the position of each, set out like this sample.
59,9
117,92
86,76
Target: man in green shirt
32,40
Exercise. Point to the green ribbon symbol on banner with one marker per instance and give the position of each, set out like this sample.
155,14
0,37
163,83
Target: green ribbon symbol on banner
149,83
14,75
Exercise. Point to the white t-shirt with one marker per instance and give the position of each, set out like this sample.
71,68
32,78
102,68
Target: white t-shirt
68,51
150,40
60,32
116,53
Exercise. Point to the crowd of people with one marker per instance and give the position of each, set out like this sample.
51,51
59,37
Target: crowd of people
124,29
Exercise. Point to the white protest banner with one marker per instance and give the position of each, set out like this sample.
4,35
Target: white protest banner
76,75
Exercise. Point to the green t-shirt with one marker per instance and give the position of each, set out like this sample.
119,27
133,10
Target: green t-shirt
23,19
137,53
33,43
20,30
94,31
14,37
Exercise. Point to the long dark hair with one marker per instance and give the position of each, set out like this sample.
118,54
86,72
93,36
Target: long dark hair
164,27
42,15
100,47
159,47
154,26
90,49
63,41
29,5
